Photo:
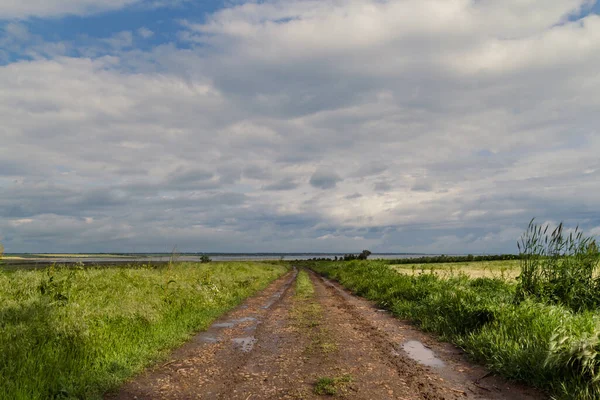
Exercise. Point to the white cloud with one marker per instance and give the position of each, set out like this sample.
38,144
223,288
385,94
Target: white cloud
455,122
120,40
145,33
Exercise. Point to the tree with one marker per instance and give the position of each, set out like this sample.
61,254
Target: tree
364,255
205,259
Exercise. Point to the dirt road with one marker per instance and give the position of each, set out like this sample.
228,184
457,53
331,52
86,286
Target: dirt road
279,345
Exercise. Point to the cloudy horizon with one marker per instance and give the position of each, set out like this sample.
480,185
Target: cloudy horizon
431,126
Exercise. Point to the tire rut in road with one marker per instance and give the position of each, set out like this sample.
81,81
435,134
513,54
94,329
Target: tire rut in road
204,366
450,376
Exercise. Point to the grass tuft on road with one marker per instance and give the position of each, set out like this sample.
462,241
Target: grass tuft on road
76,333
332,386
308,317
304,287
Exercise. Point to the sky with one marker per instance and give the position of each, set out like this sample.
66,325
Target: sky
436,126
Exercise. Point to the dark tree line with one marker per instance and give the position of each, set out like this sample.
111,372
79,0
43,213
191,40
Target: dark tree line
449,259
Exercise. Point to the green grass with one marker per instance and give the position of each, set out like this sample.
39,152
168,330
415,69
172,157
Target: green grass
308,318
331,386
76,333
304,287
546,345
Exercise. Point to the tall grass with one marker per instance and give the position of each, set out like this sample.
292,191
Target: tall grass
558,267
75,333
547,345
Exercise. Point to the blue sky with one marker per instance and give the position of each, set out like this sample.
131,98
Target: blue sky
160,22
297,125
163,21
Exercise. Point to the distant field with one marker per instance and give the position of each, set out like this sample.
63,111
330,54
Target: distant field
75,333
475,269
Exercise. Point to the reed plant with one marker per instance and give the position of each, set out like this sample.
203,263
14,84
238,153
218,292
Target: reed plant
559,267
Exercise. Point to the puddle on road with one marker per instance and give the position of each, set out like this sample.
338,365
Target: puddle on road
233,322
244,344
421,354
209,339
245,319
224,325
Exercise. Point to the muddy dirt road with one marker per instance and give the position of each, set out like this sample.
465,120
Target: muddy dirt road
280,345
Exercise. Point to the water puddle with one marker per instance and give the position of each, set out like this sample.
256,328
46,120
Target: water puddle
418,352
209,339
245,344
245,319
224,325
233,322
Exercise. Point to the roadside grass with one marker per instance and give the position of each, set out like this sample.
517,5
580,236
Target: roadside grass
547,345
76,333
506,269
332,386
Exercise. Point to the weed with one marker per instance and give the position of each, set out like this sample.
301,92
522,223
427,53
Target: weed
331,386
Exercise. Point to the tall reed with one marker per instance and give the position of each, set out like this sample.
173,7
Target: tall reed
557,267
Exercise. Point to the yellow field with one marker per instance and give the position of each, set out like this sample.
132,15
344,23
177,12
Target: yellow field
475,269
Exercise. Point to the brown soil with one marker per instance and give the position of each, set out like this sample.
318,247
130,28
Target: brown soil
281,346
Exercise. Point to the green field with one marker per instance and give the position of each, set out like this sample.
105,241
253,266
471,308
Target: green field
76,333
539,341
508,269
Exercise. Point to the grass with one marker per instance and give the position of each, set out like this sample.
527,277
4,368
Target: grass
331,386
547,345
507,269
76,333
308,317
304,287
559,268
